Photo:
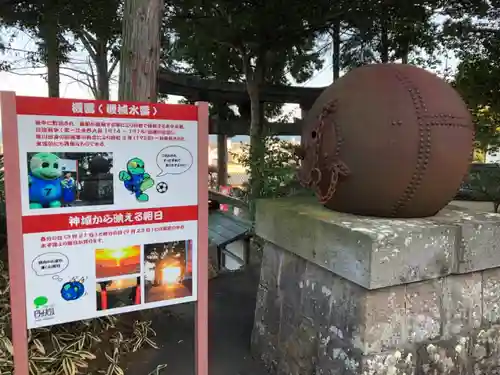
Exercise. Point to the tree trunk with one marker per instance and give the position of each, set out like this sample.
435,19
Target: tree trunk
384,39
484,153
140,53
405,52
257,151
101,63
50,35
336,50
98,48
254,79
404,58
222,152
222,177
384,46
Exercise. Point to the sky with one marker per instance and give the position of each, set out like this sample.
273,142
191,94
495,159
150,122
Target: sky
29,82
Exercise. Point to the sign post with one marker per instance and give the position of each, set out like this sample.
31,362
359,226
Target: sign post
136,235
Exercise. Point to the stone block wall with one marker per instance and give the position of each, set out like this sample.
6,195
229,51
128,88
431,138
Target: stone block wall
309,320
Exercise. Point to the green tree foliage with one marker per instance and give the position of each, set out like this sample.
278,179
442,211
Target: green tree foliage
477,80
472,32
99,28
4,44
44,20
485,184
487,125
256,42
220,39
96,23
381,32
279,168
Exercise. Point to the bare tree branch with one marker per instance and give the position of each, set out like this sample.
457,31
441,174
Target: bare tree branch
83,72
88,42
113,66
27,74
92,78
77,80
80,67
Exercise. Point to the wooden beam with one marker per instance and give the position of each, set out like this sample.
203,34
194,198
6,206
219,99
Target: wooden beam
303,111
242,127
225,199
211,90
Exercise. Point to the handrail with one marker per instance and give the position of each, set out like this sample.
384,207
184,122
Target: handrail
222,251
225,199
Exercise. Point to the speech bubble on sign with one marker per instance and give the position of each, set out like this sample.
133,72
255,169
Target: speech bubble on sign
50,264
174,160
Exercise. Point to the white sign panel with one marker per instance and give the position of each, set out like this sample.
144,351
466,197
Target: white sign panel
127,238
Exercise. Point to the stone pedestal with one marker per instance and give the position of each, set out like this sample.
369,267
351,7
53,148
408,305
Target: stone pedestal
344,295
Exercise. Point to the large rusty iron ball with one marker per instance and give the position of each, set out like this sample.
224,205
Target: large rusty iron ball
387,140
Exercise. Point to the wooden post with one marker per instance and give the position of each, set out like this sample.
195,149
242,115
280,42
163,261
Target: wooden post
10,134
221,160
303,111
246,250
221,114
201,325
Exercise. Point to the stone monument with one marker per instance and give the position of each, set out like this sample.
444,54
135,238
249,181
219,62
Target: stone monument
394,293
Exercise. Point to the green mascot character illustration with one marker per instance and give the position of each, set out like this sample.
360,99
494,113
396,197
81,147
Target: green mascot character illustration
45,177
136,180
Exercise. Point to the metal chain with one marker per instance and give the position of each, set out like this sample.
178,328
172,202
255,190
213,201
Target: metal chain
337,169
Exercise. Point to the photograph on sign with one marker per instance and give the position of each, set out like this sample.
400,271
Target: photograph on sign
109,197
116,293
165,267
58,179
117,261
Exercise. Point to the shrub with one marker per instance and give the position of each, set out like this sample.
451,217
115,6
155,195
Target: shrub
279,168
484,182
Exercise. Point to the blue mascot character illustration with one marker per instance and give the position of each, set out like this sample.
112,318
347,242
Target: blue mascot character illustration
45,172
73,289
136,180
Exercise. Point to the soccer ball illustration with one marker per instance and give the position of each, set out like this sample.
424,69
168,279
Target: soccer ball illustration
161,187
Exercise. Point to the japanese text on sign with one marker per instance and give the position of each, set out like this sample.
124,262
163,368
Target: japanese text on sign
118,218
113,109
